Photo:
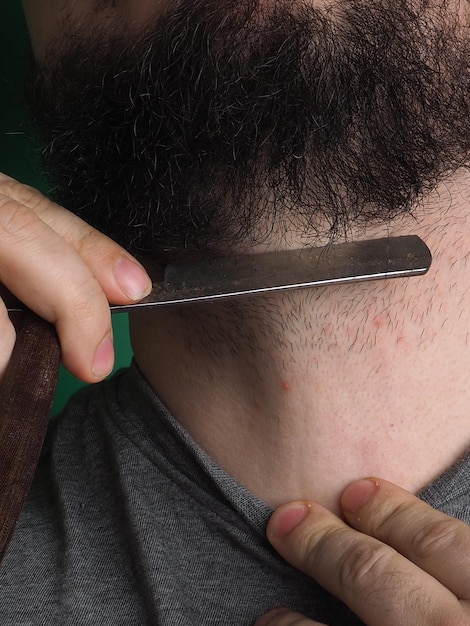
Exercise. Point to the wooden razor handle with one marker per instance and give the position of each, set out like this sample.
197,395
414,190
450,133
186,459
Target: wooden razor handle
26,397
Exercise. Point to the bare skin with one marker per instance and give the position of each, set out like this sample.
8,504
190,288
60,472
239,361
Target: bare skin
357,381
393,542
46,18
337,370
66,272
350,382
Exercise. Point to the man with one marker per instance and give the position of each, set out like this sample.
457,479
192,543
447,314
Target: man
195,128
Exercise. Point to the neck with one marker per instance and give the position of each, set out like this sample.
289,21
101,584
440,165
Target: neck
297,394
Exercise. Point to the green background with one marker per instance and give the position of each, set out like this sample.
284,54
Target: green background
16,155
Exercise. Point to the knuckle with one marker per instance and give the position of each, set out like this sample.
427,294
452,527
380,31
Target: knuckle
20,192
91,244
364,565
76,300
86,302
11,186
16,220
382,527
316,546
94,248
434,538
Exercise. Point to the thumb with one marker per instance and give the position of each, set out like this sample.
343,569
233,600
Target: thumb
290,531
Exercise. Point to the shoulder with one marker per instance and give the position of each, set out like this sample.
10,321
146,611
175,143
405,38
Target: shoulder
69,512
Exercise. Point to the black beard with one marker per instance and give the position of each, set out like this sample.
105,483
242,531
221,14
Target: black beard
224,120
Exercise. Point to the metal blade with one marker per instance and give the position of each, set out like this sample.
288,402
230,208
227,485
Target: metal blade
230,277
215,279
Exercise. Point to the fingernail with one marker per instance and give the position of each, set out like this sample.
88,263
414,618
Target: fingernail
287,518
132,279
104,358
357,494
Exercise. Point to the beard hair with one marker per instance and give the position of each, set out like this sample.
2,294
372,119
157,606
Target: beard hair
221,122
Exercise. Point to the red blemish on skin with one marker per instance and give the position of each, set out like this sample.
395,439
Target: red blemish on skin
378,321
285,385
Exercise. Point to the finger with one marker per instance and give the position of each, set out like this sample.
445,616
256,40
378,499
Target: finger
7,339
50,277
120,276
379,585
438,544
284,617
65,271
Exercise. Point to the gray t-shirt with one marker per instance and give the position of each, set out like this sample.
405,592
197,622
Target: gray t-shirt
129,522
